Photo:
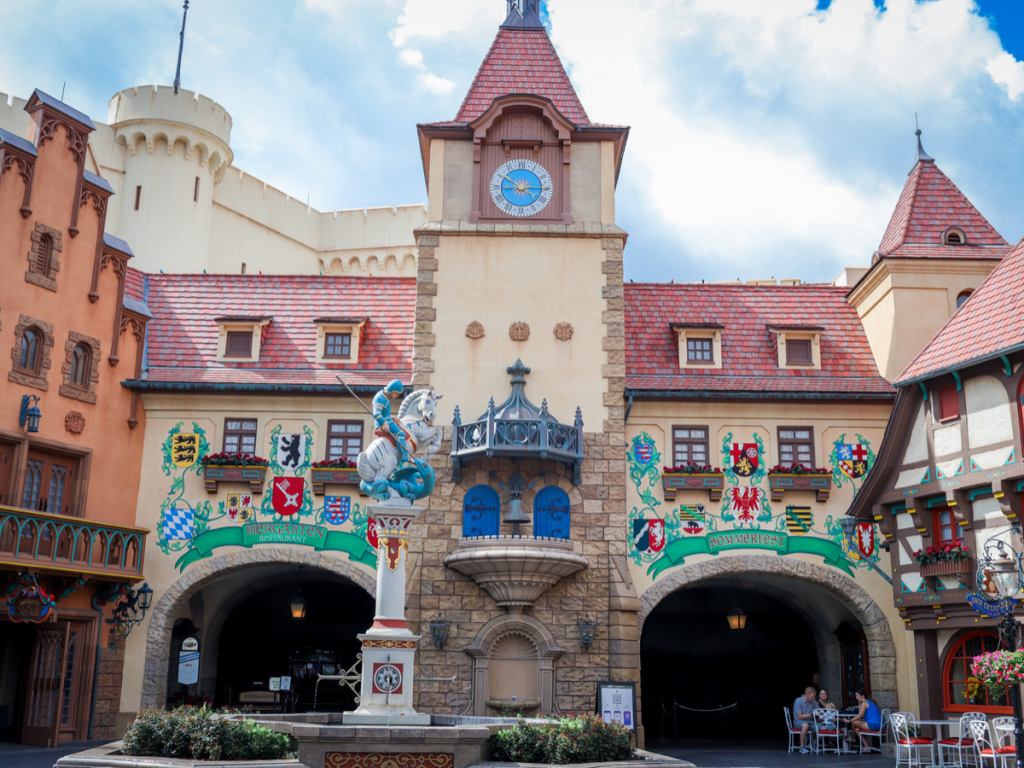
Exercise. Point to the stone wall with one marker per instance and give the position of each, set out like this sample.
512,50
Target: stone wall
108,691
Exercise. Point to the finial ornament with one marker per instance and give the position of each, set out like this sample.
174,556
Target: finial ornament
922,156
181,45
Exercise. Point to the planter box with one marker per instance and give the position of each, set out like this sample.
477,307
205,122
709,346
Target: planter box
324,476
780,483
948,568
254,476
672,483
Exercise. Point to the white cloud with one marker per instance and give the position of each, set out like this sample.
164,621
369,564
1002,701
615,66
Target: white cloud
412,59
437,19
1006,70
426,80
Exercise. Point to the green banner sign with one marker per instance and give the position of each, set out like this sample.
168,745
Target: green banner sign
677,551
296,534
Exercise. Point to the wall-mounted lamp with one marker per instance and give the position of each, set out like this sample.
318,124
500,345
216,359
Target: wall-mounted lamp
586,627
439,631
28,418
129,612
298,606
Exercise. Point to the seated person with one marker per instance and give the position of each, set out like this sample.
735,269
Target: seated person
868,718
823,700
803,716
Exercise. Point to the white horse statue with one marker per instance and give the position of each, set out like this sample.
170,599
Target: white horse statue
378,464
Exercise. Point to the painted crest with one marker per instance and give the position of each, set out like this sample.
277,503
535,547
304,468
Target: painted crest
744,458
648,536
865,538
336,509
643,452
287,495
184,449
179,524
371,531
853,459
745,503
799,520
693,518
31,604
291,449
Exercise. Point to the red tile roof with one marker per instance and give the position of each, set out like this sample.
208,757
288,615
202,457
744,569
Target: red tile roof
133,284
994,252
182,337
928,205
749,356
521,61
990,324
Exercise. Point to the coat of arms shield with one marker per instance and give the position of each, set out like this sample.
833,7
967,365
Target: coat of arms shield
184,449
287,495
649,536
853,459
744,458
291,449
865,538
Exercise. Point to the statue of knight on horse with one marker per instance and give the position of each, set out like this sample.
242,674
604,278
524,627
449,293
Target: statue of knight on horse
389,465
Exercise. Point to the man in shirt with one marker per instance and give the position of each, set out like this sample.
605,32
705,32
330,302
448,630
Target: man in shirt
803,716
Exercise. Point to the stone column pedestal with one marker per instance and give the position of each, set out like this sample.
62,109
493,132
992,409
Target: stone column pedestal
389,648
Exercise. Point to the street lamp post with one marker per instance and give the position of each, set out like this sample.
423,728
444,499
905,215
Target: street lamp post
999,580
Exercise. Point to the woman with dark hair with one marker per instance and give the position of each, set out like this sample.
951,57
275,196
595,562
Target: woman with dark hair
868,718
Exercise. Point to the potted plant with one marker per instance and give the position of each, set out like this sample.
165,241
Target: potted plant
799,477
998,669
949,559
234,468
693,477
333,472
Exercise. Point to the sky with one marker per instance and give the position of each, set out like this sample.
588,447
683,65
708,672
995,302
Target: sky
768,139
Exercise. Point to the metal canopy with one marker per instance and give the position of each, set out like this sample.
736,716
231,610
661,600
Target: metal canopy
517,429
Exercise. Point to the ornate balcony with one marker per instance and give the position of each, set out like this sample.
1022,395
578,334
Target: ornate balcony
70,545
517,429
515,570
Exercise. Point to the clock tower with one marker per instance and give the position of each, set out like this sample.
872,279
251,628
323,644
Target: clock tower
521,259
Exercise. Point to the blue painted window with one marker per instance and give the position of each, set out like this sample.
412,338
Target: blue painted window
551,513
480,511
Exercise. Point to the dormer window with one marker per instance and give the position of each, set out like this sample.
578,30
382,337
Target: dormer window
240,338
954,236
337,339
798,346
700,346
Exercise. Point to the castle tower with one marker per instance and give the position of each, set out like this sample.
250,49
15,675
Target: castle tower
177,149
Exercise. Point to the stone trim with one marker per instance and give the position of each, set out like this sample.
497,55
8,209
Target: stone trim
26,169
23,376
67,389
426,289
846,590
177,595
48,280
593,229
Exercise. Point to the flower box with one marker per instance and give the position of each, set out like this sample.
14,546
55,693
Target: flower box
780,482
332,476
947,568
254,476
673,482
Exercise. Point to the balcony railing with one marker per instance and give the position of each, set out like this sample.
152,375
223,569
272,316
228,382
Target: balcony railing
71,545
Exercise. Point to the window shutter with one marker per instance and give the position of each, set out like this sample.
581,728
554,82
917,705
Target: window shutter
798,352
239,344
949,403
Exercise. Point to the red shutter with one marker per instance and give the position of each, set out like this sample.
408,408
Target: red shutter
949,403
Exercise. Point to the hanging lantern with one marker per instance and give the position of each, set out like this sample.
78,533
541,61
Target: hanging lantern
737,618
298,606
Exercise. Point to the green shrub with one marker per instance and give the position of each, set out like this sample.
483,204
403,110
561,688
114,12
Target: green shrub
571,739
194,733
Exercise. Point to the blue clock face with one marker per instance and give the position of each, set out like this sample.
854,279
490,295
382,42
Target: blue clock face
521,188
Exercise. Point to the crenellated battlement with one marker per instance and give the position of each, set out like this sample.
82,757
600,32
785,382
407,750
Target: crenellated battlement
13,117
161,103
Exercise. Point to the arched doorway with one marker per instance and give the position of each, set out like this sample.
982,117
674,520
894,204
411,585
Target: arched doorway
804,624
240,606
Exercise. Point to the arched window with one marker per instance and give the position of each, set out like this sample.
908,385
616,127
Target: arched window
962,692
480,511
954,236
551,513
29,360
81,364
962,297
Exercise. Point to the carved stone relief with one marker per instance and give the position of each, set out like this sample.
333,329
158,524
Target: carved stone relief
563,331
519,331
74,422
474,330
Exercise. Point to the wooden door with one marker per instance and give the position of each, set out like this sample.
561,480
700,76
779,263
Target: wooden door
46,684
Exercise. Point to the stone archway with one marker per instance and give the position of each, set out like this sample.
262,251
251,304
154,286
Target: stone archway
161,625
881,648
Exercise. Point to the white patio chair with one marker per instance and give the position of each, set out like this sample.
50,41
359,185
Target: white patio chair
880,734
962,744
911,744
826,723
986,750
794,733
